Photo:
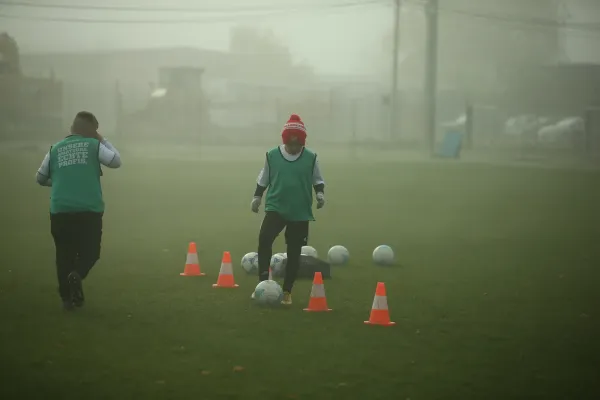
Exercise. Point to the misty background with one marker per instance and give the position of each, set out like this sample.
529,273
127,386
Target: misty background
329,61
495,283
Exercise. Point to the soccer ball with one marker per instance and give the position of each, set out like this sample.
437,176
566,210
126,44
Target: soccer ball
338,255
250,262
309,251
383,255
268,293
278,262
255,263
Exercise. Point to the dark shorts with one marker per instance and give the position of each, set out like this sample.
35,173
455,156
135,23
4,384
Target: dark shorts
77,238
296,232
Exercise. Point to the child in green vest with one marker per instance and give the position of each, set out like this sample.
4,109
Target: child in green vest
291,172
72,169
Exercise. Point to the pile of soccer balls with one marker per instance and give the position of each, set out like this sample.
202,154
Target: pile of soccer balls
269,292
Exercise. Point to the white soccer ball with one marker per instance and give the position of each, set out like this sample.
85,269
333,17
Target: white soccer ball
309,251
255,263
250,262
338,255
268,293
383,255
277,263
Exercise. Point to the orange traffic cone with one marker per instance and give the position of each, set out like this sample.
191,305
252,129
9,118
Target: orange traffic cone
225,279
192,266
317,301
380,314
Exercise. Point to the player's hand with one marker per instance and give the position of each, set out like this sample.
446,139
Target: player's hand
255,205
99,137
320,200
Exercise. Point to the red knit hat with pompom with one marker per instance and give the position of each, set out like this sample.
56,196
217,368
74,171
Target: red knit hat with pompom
294,128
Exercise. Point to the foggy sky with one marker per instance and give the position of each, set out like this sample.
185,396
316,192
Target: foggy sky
334,41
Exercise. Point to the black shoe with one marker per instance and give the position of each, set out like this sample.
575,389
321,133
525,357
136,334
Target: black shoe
76,289
68,305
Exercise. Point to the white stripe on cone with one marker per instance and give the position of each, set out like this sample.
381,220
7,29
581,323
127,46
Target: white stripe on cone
380,303
226,269
192,258
317,291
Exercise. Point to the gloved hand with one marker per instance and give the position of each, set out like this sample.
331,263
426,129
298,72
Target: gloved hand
320,200
254,206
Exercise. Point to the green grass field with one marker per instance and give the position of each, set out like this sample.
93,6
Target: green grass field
496,295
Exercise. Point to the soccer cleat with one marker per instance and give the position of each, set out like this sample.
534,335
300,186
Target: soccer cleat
68,305
76,289
287,299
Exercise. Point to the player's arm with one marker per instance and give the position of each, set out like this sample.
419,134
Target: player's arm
262,183
43,173
318,184
108,155
318,181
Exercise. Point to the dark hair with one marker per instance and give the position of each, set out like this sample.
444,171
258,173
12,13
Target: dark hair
87,116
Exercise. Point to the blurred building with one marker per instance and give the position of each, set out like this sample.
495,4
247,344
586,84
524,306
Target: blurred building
481,41
237,85
579,40
482,46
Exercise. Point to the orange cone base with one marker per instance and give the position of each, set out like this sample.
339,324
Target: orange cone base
192,270
380,317
193,274
317,304
226,286
380,323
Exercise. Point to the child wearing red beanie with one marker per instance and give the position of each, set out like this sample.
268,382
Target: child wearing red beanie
291,172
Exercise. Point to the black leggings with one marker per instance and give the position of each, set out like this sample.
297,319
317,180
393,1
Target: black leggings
296,236
77,238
